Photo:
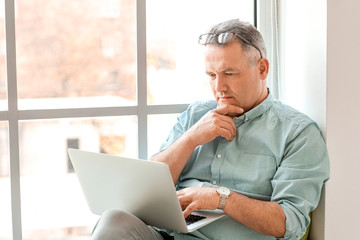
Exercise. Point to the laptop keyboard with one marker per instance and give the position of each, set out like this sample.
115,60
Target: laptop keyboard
192,218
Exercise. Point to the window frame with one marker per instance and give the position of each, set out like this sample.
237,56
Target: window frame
13,115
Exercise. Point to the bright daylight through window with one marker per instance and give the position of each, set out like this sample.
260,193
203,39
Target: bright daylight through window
78,86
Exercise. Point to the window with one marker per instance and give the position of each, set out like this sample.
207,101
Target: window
5,203
4,152
105,76
172,46
72,57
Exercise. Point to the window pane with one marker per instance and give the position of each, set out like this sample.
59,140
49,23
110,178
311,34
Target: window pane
158,130
175,70
75,53
53,206
5,199
3,103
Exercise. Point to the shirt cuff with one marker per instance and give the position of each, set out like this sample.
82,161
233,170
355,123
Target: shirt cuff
295,228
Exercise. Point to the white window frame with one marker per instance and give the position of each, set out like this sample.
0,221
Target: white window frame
13,115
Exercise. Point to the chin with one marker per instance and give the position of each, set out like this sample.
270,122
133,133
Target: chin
227,102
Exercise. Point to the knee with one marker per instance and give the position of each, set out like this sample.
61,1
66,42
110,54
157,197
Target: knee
116,217
113,214
110,224
116,224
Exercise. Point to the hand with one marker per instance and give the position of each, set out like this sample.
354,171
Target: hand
192,199
217,122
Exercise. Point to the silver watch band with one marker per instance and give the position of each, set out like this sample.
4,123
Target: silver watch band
224,194
222,202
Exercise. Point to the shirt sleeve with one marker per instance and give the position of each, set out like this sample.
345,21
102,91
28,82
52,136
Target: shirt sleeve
300,177
186,119
178,129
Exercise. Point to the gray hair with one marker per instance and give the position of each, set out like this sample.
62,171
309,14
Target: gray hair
248,32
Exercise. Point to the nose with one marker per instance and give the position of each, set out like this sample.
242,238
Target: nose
219,84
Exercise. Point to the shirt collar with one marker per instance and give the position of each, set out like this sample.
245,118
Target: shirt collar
258,110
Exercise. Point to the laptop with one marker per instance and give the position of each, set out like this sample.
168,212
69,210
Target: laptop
141,187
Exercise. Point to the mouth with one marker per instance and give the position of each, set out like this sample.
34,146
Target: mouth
224,101
224,98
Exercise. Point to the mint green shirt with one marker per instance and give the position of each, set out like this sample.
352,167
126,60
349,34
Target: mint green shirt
278,155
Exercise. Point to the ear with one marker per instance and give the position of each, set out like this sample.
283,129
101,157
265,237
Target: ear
263,66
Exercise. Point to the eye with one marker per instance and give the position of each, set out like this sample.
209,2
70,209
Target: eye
231,74
211,75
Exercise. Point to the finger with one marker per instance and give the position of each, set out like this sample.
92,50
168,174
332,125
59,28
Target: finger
224,129
228,121
183,205
183,198
227,127
182,192
227,134
179,193
189,209
230,110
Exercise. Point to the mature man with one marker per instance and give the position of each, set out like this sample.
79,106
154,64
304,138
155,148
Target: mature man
263,163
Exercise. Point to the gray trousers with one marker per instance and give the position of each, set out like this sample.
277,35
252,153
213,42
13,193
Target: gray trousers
116,225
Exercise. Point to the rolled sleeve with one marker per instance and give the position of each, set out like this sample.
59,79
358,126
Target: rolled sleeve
300,177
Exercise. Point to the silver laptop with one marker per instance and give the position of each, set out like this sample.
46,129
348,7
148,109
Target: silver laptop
143,188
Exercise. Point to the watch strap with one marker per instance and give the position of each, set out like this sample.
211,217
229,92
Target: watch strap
222,202
224,194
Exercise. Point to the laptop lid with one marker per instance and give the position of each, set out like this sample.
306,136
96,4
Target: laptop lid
143,188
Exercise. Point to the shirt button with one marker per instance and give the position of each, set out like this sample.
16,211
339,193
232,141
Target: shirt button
218,156
214,182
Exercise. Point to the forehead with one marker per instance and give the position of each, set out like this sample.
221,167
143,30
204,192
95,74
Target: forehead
224,57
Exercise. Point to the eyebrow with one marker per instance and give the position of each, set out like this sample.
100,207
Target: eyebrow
225,70
231,70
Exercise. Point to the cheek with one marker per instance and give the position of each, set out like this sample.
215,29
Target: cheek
213,91
239,86
245,84
212,86
242,89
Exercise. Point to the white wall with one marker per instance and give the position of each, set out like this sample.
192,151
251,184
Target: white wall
342,212
302,28
303,52
321,53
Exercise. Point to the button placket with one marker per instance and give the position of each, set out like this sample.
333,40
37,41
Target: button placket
218,159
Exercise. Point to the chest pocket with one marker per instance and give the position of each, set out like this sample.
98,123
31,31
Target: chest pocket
253,173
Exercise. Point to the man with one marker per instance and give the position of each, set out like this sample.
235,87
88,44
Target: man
260,161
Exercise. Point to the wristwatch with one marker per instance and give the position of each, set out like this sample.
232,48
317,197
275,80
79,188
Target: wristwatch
224,194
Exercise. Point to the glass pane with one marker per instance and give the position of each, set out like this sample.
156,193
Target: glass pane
75,53
159,127
53,206
3,103
175,70
5,199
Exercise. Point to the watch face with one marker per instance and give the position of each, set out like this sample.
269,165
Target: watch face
223,190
